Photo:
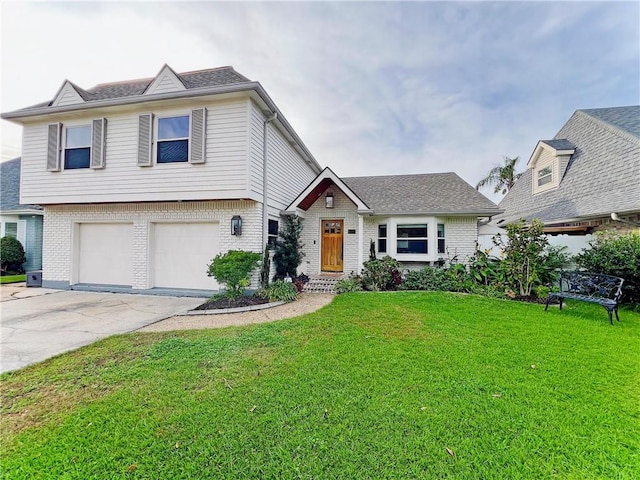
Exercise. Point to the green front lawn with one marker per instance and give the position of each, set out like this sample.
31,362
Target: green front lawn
374,386
12,279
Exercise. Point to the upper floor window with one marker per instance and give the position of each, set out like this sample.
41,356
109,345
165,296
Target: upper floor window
545,176
77,147
412,238
382,239
173,139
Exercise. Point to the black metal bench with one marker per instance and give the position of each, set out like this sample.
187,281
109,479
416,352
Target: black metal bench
597,288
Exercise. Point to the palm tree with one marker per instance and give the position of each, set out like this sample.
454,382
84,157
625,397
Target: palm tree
503,176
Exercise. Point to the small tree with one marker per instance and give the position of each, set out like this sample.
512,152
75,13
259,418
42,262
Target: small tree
372,250
288,252
523,254
11,254
233,270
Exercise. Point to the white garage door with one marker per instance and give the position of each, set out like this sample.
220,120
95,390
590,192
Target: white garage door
105,253
182,252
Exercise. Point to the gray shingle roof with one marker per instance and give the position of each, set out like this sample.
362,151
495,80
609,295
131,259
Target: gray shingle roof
560,144
10,187
198,79
430,193
603,175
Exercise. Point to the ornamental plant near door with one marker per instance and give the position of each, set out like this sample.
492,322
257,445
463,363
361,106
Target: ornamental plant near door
288,253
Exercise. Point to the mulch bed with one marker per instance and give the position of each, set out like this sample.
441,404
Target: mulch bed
226,303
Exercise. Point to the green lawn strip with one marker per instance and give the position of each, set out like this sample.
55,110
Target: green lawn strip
12,279
374,386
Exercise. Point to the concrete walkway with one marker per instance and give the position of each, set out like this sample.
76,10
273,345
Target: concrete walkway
38,323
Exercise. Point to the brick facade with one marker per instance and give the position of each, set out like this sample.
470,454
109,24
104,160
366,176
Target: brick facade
60,221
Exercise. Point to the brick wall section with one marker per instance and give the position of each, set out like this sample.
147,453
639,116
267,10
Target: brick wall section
344,209
461,234
60,220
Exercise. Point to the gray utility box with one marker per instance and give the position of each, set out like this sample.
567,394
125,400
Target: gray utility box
34,279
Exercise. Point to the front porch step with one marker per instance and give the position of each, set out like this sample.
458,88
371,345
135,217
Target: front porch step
321,284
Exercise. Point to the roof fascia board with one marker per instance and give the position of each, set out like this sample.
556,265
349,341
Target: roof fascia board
330,174
23,211
470,213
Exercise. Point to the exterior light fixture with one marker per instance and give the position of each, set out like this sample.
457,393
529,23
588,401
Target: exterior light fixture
328,200
236,225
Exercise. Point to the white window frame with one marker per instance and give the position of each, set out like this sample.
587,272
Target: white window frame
443,238
548,177
156,139
385,238
64,149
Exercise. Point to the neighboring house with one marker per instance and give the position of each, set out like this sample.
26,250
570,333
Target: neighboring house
18,220
416,219
587,178
143,182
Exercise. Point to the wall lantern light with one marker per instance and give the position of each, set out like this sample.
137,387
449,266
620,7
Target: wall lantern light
236,225
328,200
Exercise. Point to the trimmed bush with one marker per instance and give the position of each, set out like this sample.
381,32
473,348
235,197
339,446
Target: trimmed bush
233,270
349,284
11,255
383,274
615,254
288,251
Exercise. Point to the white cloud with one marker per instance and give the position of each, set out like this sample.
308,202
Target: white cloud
372,88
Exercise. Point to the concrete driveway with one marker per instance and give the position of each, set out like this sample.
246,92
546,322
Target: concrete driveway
37,323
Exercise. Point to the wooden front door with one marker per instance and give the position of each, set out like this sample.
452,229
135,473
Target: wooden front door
332,236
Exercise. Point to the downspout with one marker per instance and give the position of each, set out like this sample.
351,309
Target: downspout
265,210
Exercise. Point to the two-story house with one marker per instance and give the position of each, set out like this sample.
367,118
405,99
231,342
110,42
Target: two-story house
585,179
143,182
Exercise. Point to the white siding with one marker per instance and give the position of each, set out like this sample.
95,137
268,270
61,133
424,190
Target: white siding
223,176
67,96
288,174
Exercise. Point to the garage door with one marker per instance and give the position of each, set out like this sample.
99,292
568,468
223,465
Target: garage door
182,252
105,253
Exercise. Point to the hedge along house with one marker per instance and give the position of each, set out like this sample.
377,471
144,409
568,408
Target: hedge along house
417,219
143,182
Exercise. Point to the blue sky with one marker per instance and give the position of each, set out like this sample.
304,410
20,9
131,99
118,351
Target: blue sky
372,88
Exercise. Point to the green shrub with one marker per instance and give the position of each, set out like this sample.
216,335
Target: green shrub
288,251
350,284
617,255
233,270
11,255
265,267
523,252
280,291
383,274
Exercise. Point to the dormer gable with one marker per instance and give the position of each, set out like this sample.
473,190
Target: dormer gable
165,82
68,94
549,163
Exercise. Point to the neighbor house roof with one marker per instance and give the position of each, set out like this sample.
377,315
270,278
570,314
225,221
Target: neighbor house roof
602,176
10,189
429,193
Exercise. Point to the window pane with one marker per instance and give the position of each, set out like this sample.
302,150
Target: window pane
273,227
441,245
544,180
175,151
441,230
173,127
382,231
78,136
382,245
412,231
412,246
11,229
76,158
